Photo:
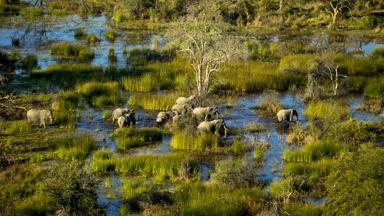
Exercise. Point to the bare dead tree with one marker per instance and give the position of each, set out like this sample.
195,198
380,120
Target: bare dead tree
206,45
333,74
336,7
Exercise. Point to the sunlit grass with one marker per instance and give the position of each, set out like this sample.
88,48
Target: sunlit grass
186,141
153,102
101,93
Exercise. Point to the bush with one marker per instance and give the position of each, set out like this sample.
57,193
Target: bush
110,35
186,141
80,33
233,174
72,190
92,39
29,62
355,186
375,88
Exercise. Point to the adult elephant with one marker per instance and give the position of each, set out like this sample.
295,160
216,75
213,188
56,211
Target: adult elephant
205,113
41,117
216,126
164,117
127,120
191,100
117,113
181,109
287,115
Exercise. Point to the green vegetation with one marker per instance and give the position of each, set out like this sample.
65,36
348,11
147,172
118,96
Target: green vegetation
76,148
197,199
92,39
110,35
186,141
326,111
80,34
255,76
159,167
301,63
365,169
145,56
29,62
75,52
131,138
101,94
152,102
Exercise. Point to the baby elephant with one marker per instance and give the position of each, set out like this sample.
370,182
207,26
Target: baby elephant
117,113
163,117
216,126
287,115
127,120
192,101
41,117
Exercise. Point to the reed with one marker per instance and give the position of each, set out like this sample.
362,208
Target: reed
297,208
101,93
186,141
256,76
312,152
66,50
303,63
75,148
110,35
133,187
14,127
326,111
153,102
320,168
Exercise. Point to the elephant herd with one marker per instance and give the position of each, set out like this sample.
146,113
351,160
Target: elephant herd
206,119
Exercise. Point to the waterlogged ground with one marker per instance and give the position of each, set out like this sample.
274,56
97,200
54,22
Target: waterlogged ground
37,37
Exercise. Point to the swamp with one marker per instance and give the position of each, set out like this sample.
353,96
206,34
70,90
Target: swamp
192,107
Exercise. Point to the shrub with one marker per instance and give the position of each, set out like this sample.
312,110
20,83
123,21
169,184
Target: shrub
375,88
92,39
299,135
72,190
355,186
110,35
80,33
29,62
233,174
302,63
186,141
153,102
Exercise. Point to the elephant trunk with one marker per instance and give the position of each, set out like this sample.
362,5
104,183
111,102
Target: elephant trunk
225,131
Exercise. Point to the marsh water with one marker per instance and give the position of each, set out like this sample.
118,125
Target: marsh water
37,37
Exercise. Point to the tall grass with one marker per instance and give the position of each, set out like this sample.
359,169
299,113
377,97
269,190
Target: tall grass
14,127
375,88
299,209
68,74
152,102
197,199
133,187
326,111
186,141
74,148
312,152
67,50
145,83
255,76
100,93
319,168
159,167
110,35
303,63
131,138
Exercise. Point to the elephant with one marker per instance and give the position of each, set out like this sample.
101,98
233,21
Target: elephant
164,117
117,113
127,120
216,126
181,109
205,113
191,100
41,117
287,115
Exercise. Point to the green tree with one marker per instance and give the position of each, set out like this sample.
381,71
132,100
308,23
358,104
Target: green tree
356,185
